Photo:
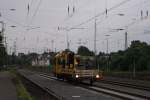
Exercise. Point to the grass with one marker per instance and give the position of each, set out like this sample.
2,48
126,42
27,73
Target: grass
22,93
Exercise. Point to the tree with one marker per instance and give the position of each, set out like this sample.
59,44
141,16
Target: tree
84,51
139,54
3,52
136,57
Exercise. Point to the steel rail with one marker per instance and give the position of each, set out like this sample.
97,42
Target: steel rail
109,91
125,84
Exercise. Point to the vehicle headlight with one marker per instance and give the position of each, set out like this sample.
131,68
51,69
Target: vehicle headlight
97,76
77,76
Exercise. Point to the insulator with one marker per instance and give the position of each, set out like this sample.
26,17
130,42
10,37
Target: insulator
141,14
106,11
68,9
147,13
73,9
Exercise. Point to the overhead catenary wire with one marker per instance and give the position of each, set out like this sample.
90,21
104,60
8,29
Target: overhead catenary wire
139,3
102,13
75,10
135,22
12,21
29,6
34,14
138,20
31,3
106,12
106,15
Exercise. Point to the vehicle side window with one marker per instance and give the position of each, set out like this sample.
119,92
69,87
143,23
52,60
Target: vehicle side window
71,58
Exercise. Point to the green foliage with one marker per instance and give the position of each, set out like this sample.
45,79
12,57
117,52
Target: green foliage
3,53
84,51
137,55
22,93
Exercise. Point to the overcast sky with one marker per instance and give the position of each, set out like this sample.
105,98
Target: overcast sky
37,27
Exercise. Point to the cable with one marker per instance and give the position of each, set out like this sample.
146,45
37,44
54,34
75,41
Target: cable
19,24
29,6
31,3
38,6
135,22
76,11
102,13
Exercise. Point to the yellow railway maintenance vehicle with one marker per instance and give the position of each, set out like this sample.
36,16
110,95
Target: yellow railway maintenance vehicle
75,67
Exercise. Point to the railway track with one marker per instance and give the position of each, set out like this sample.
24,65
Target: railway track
109,91
136,86
45,92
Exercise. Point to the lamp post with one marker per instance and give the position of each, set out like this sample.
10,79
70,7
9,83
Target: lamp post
67,30
107,65
107,47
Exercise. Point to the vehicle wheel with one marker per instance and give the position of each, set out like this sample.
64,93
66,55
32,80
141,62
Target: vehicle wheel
63,77
91,81
58,76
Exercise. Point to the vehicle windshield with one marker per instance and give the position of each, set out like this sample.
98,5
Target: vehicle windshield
86,63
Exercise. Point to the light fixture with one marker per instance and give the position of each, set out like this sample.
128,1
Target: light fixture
97,76
77,76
